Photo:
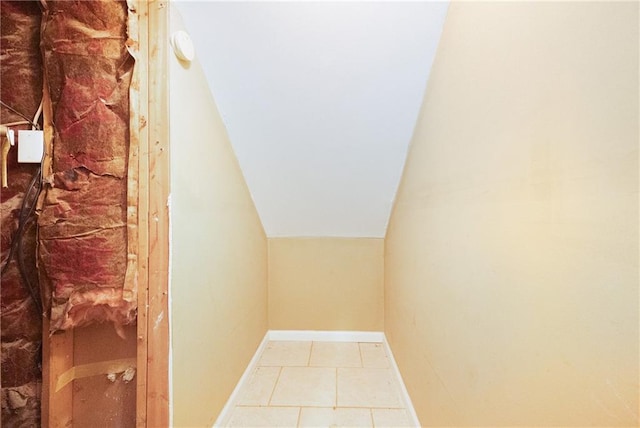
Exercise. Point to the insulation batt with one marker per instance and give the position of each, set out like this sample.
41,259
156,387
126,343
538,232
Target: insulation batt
83,217
21,331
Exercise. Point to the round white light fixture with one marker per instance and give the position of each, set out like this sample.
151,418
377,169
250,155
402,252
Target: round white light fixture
182,46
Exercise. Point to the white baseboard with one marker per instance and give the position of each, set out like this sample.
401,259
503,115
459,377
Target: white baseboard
413,417
316,336
225,414
326,336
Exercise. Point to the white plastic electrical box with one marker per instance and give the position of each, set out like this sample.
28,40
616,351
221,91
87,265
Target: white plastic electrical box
30,146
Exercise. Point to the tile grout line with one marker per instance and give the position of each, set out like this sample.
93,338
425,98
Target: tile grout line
360,352
336,405
332,366
373,423
274,387
310,352
299,414
311,406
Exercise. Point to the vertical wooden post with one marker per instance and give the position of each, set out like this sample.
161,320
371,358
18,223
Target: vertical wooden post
158,237
141,78
57,350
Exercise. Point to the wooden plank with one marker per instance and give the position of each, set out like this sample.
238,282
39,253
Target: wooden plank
158,181
57,351
142,73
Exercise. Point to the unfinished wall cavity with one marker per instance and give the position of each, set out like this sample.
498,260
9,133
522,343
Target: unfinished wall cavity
20,93
84,208
70,61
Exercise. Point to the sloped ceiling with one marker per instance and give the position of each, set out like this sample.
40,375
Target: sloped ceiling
320,101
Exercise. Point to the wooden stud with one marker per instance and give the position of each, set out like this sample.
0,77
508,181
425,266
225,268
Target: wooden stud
158,185
142,73
57,407
57,350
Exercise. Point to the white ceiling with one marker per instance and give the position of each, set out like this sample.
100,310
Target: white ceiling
320,100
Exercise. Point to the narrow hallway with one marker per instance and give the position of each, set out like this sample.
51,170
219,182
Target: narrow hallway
311,383
319,213
470,192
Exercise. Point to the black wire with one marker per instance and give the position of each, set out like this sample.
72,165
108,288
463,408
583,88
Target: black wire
33,291
26,215
21,221
18,231
35,125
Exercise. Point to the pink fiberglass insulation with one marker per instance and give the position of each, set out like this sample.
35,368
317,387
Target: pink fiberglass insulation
21,331
83,244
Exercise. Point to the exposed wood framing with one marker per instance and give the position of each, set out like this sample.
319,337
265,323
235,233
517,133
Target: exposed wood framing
57,350
57,407
141,78
152,388
157,410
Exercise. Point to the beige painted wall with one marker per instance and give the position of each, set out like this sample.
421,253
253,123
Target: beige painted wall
219,254
511,259
326,284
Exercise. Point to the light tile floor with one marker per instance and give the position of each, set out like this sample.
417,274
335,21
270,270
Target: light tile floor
321,384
